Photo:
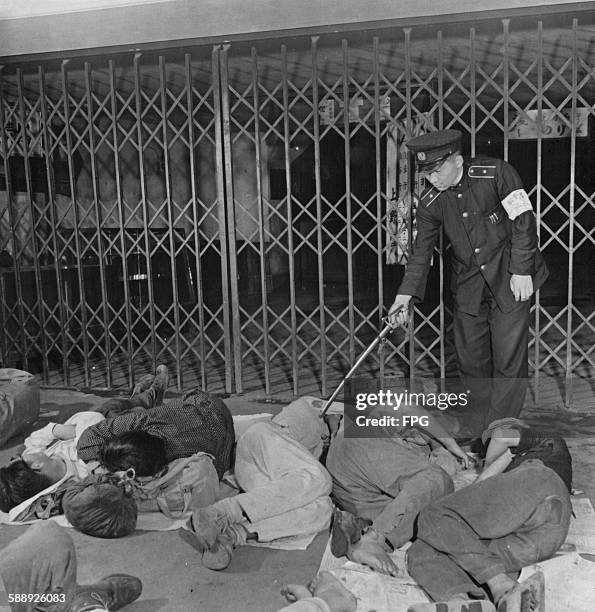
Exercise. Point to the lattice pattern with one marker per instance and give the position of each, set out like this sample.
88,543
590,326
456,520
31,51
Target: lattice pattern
121,221
463,93
226,212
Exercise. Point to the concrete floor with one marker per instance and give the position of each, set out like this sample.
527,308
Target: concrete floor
170,568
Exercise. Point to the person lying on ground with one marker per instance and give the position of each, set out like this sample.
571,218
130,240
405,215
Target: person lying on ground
471,544
285,489
510,441
39,570
50,456
380,484
147,440
324,594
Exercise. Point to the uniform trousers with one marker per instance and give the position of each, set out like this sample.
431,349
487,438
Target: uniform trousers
492,355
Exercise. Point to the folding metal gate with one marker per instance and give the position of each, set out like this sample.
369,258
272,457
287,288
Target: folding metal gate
111,277
225,211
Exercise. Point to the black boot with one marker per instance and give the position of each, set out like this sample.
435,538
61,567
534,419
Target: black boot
110,593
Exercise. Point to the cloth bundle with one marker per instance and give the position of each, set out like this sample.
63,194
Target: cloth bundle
100,506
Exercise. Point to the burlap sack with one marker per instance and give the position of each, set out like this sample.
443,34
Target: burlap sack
19,402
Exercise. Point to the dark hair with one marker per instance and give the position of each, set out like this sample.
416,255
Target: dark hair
18,482
134,449
553,453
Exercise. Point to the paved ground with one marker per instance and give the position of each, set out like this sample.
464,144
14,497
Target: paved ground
173,577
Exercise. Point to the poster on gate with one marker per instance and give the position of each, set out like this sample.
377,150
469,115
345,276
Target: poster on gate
550,123
402,201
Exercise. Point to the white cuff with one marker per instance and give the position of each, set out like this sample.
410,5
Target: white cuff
83,420
39,440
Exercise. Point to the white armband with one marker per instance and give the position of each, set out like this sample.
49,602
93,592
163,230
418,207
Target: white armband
516,203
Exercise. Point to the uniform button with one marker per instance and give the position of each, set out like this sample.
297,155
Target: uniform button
482,267
477,250
465,214
485,171
460,195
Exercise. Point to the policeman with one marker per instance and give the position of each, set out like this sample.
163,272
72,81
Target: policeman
496,267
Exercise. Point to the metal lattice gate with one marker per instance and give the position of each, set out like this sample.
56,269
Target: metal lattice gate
225,211
112,276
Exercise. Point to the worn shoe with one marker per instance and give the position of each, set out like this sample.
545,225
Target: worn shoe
347,529
160,384
110,593
218,556
142,384
207,524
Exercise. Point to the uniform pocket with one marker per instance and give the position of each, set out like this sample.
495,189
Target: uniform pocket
496,223
495,216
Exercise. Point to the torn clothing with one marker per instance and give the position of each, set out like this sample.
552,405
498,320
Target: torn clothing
495,526
198,422
286,490
385,480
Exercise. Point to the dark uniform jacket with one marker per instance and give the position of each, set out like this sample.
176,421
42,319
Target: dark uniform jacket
487,246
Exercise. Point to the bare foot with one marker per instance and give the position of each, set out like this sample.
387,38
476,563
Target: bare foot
371,551
294,592
330,589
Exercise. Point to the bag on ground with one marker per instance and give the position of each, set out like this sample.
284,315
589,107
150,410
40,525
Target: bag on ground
188,483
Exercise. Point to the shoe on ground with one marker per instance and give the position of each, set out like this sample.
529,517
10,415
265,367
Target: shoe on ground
346,530
142,384
207,524
110,593
218,556
160,384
